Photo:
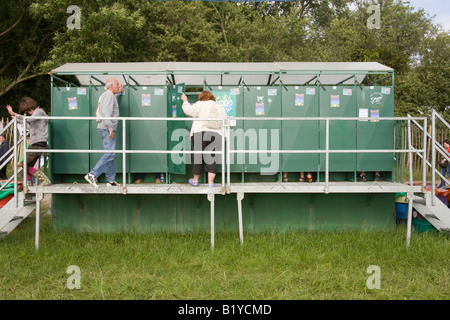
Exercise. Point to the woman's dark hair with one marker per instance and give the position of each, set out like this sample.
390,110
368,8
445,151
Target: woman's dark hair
205,96
446,141
26,104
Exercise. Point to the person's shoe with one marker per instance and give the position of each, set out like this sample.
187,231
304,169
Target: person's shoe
193,183
43,179
212,185
112,184
361,178
91,179
378,177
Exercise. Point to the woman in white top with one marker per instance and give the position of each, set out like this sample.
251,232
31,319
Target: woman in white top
204,136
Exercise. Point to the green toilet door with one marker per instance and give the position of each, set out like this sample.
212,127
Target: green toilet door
177,135
262,101
146,101
70,134
300,101
338,101
375,102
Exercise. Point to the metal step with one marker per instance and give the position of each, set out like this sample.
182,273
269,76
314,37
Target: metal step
11,216
438,214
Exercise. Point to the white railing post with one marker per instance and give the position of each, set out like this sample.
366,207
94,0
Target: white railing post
433,156
24,156
16,195
228,158
424,159
327,153
124,141
410,148
224,124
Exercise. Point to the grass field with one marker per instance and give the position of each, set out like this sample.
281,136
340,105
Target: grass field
290,266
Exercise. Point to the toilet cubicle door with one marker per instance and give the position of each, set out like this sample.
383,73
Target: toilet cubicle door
300,101
177,135
265,102
375,102
148,101
338,101
69,134
230,98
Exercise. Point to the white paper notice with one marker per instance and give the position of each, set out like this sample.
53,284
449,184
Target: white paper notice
363,113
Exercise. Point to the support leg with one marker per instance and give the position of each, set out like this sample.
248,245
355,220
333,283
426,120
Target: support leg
211,200
410,196
39,197
240,196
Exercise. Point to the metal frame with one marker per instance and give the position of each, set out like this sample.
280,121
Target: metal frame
227,187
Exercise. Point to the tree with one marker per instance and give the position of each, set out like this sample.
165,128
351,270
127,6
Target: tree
433,73
34,39
24,41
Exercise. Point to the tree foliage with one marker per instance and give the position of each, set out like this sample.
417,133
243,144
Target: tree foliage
34,39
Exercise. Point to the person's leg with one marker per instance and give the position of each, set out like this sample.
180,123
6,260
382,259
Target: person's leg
31,161
302,177
211,142
443,171
106,162
110,170
3,175
211,177
362,176
197,167
448,175
32,171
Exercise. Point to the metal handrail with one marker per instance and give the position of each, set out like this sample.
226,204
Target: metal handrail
435,115
226,128
327,150
16,142
123,151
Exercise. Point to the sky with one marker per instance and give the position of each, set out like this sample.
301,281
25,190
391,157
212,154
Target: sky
440,8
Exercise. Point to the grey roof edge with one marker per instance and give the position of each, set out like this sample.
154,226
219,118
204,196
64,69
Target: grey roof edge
237,67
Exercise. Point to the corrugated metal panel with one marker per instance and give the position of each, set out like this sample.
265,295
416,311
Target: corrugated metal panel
191,213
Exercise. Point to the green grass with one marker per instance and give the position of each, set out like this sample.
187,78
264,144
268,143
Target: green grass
290,266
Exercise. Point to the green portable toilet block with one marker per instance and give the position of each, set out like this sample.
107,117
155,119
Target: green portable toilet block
262,101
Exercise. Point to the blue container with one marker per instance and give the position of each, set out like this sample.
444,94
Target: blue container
401,210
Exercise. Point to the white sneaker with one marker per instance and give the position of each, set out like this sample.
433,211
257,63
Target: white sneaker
91,179
112,184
